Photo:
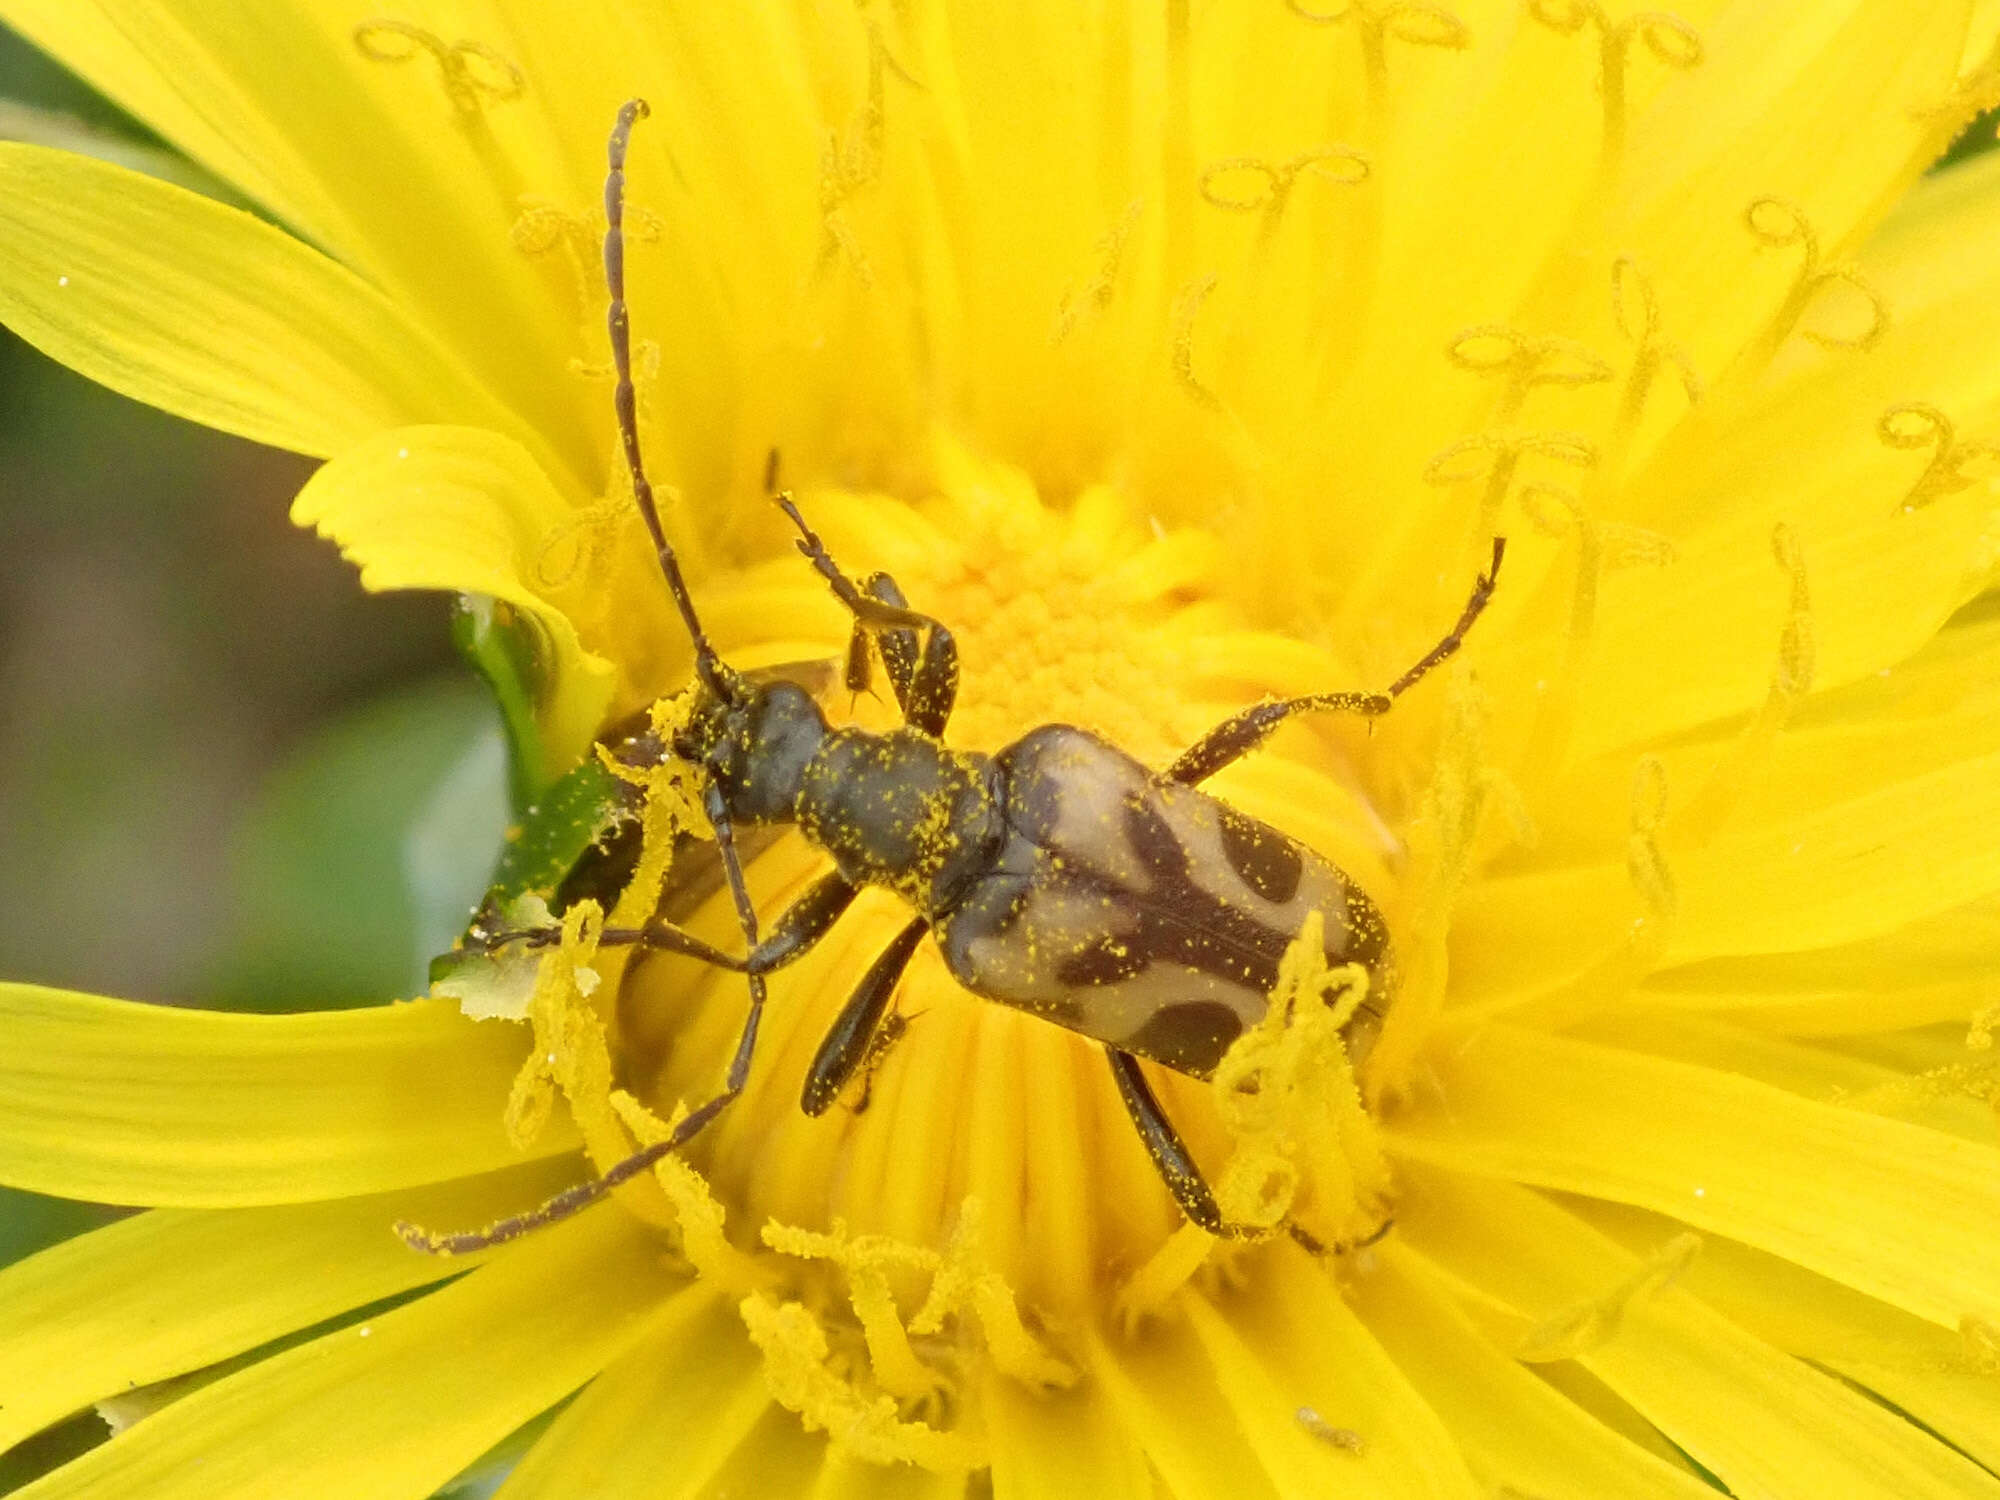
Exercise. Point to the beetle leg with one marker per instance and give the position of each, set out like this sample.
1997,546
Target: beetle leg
1241,733
933,682
1169,1153
796,929
847,1042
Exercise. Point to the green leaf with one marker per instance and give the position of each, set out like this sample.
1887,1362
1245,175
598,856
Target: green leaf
365,852
503,647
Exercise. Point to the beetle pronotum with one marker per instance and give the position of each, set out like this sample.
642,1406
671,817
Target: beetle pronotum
1059,875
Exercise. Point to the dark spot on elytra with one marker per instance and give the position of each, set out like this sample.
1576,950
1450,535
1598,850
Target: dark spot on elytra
1189,1038
1268,862
1107,959
1153,840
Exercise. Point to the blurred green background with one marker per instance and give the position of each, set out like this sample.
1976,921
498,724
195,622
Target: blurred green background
227,776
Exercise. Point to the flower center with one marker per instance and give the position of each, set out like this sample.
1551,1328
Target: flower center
978,1135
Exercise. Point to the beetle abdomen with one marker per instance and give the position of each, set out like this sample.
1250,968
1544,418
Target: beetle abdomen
1141,912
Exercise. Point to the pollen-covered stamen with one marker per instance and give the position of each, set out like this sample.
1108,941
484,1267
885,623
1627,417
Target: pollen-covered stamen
1782,225
473,74
1669,38
1918,424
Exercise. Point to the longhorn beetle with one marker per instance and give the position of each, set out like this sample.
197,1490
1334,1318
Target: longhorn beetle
1058,876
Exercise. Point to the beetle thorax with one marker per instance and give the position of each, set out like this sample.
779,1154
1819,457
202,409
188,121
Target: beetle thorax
902,810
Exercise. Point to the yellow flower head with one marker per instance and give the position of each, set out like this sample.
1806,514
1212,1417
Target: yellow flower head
1174,357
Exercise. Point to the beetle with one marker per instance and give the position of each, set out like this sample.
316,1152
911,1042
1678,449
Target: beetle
1058,876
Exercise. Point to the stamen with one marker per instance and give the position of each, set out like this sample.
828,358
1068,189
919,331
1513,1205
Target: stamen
1414,21
1096,293
852,159
697,1215
1495,456
1147,1291
1669,38
1265,187
1591,1324
1440,840
1187,307
1980,1339
1918,424
867,1261
1631,285
571,1052
801,1378
1523,361
1791,681
1780,225
1606,983
1970,95
966,1279
473,74
1600,547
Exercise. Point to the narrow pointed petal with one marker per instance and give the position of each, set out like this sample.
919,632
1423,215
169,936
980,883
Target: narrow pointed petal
1902,1213
397,1405
1768,1425
1516,1431
206,312
661,1421
170,1291
145,1104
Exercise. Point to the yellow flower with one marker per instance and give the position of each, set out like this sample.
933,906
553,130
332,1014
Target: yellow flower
1175,356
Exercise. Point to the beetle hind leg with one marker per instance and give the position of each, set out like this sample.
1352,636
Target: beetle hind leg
1170,1154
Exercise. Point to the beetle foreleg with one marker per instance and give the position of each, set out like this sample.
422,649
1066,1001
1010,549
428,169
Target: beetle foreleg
1169,1153
847,1042
932,688
1239,734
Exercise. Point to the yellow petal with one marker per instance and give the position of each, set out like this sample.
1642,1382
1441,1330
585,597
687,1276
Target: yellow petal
467,509
203,311
1517,1433
362,143
662,1420
1768,1425
396,1405
1063,1442
1902,1213
1942,1378
1217,1404
170,1291
1292,1355
123,1103
1822,105
1801,1068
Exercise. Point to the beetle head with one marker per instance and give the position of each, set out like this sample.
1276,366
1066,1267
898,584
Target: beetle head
754,740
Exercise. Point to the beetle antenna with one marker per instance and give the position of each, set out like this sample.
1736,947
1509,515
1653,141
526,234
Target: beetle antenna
708,665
